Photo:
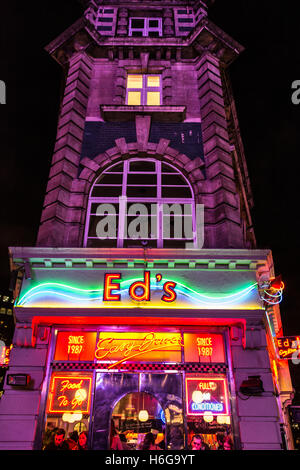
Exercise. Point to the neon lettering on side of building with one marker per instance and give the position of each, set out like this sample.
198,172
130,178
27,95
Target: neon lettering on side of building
287,346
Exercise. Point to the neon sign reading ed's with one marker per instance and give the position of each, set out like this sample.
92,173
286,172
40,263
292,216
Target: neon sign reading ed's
145,291
138,290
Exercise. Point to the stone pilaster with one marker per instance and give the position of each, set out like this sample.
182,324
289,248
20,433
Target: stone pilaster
167,85
122,26
120,94
57,210
168,22
20,406
219,192
259,418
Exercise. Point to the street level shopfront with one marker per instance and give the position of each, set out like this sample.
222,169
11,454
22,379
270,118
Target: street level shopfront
147,342
173,382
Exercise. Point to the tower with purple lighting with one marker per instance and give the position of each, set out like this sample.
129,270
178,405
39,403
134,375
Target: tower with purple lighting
146,302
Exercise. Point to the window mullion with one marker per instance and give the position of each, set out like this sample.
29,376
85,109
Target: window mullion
159,207
87,223
123,207
144,91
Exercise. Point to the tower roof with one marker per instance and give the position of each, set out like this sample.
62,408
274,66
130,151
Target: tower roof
208,3
205,36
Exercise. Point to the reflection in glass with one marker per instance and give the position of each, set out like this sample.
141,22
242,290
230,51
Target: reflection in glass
136,415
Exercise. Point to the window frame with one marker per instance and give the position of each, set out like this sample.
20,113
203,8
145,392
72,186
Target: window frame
159,200
146,29
145,89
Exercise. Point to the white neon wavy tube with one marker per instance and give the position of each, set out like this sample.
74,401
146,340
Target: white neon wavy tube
184,291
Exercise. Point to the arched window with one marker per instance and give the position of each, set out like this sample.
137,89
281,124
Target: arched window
138,203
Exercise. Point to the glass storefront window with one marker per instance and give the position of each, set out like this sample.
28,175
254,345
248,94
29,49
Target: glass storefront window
141,409
68,408
208,413
137,415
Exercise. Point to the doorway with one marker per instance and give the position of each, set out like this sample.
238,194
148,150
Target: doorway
139,403
136,415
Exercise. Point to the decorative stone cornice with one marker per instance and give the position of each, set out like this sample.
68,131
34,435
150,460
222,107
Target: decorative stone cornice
149,3
206,36
99,257
121,113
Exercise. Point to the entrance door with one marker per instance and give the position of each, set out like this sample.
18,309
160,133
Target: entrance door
162,389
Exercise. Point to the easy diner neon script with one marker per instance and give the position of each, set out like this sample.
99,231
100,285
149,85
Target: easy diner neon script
135,347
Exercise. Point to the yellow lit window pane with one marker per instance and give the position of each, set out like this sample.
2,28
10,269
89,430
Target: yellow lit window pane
135,81
134,98
153,98
153,81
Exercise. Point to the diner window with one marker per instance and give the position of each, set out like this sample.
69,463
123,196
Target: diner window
136,415
151,27
68,410
138,201
144,90
209,420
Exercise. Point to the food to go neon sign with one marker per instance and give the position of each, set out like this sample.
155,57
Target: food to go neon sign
70,394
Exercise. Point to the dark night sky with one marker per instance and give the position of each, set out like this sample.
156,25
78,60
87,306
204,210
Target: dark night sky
261,79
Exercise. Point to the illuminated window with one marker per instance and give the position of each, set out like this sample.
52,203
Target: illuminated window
141,203
208,412
143,90
68,404
151,27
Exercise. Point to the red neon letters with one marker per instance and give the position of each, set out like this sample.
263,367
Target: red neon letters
144,285
139,291
169,290
109,287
